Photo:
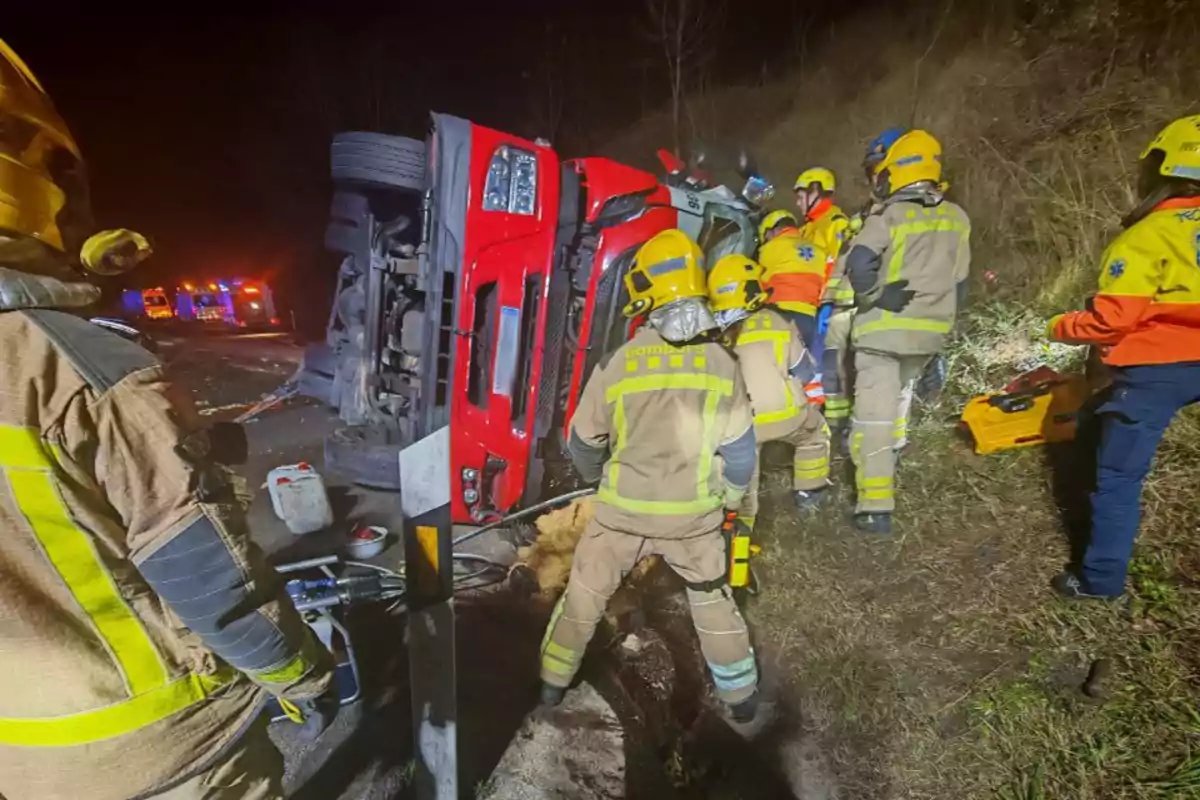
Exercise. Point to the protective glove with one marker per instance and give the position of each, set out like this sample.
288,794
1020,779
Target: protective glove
1051,327
313,714
734,495
895,296
823,315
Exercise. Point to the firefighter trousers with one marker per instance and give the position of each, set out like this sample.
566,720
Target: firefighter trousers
837,367
602,560
809,435
251,769
883,393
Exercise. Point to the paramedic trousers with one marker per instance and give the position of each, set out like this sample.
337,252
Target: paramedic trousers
809,435
806,325
883,393
602,560
251,769
837,363
1132,422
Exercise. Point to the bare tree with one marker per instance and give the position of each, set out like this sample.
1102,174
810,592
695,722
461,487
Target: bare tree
686,30
547,84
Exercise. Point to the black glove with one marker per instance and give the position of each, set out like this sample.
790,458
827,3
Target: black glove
894,297
314,714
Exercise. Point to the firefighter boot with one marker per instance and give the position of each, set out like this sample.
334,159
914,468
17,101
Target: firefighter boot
744,712
551,696
809,500
877,523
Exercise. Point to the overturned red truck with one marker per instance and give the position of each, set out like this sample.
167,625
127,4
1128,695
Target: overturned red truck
481,282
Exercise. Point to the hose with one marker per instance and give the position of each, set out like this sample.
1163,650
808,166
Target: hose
533,509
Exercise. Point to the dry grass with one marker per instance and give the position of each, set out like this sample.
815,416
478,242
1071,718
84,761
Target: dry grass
939,665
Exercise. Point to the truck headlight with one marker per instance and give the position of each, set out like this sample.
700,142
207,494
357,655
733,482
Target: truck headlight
511,182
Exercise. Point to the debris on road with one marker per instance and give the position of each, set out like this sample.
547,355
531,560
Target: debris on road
268,402
208,411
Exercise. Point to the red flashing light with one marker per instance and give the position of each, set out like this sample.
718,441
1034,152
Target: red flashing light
212,287
250,289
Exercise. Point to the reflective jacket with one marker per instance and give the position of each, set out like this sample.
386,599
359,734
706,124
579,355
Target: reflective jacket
927,245
667,427
128,603
1147,310
777,369
794,270
829,227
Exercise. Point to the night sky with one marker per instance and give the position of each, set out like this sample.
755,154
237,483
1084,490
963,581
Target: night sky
211,135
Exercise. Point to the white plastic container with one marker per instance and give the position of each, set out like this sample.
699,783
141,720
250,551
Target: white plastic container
299,498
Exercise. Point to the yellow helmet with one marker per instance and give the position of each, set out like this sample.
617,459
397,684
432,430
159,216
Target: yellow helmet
1179,146
734,289
916,156
668,267
43,191
774,220
823,178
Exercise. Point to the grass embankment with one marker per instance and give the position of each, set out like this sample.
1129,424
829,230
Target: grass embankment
939,665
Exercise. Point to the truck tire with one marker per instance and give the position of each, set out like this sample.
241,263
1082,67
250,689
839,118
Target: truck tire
378,159
360,455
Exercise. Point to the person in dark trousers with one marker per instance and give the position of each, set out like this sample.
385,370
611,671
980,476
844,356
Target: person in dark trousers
1145,320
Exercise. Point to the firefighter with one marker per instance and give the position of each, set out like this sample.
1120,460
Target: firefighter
908,268
664,425
140,629
828,226
1145,320
794,271
780,377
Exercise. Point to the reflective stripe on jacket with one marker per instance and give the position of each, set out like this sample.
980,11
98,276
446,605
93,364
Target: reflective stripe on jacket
1147,309
794,271
768,347
663,411
929,246
112,572
829,227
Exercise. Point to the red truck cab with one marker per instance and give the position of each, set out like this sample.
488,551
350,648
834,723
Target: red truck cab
481,281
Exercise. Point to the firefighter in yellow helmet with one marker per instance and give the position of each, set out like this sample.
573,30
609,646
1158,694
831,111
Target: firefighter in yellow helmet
780,376
908,268
794,271
664,425
140,629
1145,320
828,226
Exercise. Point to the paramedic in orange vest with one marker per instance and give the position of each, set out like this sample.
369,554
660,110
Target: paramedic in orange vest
795,269
1145,320
827,225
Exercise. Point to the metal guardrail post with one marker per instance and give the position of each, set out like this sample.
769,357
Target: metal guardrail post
425,499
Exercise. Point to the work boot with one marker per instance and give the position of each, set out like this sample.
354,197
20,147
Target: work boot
809,500
743,713
878,523
1070,586
551,696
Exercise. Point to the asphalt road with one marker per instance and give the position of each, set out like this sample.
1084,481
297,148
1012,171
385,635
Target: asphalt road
367,754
